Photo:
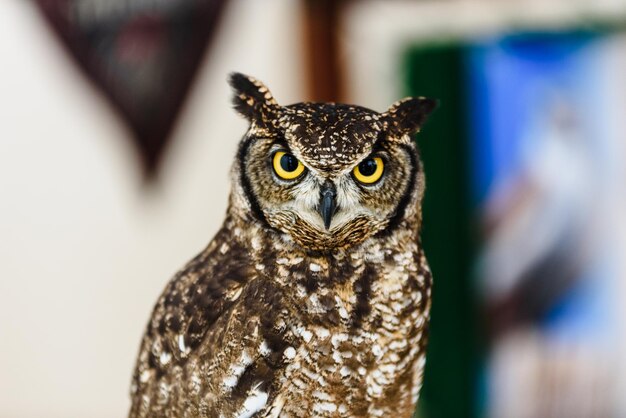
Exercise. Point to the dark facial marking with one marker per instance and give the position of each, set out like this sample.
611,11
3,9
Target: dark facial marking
245,181
401,207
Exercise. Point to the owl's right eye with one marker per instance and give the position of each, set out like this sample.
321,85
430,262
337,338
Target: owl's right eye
286,166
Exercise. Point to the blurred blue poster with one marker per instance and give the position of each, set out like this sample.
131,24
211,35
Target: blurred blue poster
548,122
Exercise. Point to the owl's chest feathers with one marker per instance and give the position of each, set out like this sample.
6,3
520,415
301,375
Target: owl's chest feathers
354,319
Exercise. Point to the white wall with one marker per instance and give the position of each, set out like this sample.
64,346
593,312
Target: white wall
84,249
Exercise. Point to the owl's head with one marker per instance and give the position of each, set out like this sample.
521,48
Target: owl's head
328,175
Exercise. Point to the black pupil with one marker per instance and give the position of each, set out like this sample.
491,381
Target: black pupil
289,163
368,167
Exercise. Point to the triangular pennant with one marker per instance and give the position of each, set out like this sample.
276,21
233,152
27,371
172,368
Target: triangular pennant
143,54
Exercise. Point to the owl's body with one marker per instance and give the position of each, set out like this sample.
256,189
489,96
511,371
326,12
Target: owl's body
313,298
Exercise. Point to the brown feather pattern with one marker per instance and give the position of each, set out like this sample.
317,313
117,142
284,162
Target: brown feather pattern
279,317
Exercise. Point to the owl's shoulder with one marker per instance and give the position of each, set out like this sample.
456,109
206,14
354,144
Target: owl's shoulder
193,306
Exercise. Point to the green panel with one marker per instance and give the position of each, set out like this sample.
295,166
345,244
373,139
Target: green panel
438,72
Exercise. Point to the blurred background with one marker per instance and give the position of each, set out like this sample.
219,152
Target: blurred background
117,135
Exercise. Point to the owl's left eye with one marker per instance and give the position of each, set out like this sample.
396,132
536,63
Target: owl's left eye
369,171
286,166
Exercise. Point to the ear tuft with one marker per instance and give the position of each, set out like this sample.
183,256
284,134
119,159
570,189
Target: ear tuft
251,98
407,116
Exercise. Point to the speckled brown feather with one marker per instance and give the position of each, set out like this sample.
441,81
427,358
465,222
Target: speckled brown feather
281,317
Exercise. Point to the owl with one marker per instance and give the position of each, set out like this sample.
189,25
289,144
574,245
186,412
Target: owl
313,298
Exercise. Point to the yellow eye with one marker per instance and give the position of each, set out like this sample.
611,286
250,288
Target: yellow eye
287,166
369,171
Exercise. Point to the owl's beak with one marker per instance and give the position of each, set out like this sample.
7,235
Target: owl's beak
327,203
